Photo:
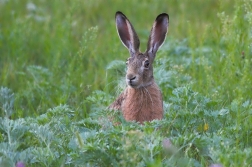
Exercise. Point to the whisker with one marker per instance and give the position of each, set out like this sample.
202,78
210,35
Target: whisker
149,96
142,97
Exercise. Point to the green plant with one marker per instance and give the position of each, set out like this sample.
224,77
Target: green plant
62,64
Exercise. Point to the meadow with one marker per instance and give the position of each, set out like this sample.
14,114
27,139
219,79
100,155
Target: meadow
62,64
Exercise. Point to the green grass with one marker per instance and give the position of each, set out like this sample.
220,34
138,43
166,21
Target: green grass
62,64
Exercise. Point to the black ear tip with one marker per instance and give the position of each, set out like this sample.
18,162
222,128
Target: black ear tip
162,16
119,13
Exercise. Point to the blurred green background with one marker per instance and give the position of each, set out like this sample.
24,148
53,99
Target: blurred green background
57,52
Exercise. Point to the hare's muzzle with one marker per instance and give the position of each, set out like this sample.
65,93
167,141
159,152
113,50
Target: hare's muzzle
131,80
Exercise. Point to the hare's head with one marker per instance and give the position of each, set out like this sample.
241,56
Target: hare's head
140,70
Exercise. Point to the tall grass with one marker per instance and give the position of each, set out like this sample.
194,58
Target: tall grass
69,44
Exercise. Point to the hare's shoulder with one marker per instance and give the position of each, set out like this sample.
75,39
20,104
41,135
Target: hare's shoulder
116,105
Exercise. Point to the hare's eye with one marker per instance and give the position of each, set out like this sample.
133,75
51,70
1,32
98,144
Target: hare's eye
146,64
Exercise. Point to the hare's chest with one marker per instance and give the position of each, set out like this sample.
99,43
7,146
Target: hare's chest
142,105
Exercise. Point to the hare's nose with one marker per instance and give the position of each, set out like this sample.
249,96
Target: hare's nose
131,77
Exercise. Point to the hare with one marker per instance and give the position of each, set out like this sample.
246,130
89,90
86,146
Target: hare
142,99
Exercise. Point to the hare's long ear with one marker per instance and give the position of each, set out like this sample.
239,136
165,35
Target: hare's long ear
158,33
127,33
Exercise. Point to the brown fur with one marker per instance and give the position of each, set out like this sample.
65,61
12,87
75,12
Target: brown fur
143,104
141,100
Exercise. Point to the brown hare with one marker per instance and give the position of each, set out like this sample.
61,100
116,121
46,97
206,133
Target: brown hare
142,99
